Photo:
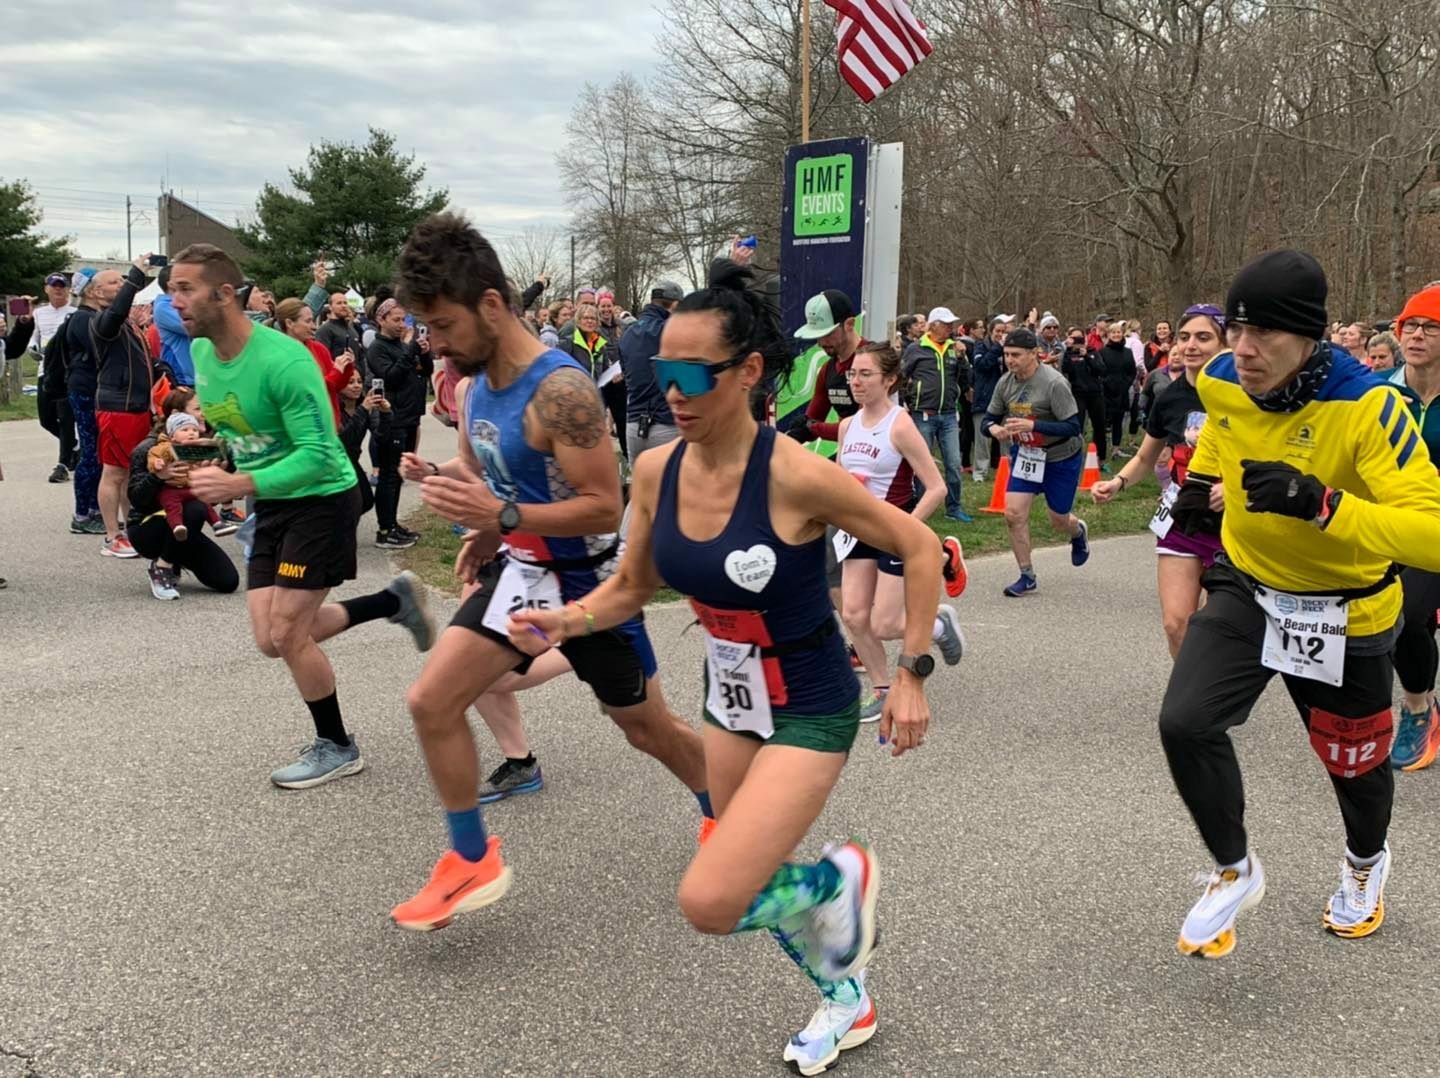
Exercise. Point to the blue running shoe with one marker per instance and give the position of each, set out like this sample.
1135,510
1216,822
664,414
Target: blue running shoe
1415,739
1080,546
321,762
509,779
952,640
1024,586
835,1028
959,514
414,611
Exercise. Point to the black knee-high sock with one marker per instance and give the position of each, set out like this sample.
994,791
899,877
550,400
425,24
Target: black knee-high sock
381,604
328,724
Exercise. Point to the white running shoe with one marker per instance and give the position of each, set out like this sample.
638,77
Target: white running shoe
1209,929
1358,907
835,1028
844,927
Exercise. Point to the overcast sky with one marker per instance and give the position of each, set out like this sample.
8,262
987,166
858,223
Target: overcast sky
104,100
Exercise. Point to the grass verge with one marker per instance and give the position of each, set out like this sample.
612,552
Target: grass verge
21,408
433,558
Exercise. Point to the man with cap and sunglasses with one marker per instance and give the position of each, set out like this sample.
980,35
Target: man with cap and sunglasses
648,421
1033,413
935,378
49,318
1327,484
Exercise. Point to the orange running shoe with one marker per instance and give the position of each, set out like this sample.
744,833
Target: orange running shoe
456,886
955,573
707,825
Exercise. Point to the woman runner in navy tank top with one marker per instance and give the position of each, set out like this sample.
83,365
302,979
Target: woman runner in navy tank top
735,518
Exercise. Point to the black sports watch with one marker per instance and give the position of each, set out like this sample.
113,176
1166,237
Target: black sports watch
922,666
510,520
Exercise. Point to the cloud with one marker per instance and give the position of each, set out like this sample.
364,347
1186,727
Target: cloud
215,99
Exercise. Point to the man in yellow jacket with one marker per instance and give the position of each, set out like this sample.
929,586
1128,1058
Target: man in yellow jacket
1327,485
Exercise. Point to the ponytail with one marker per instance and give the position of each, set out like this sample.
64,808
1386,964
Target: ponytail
748,323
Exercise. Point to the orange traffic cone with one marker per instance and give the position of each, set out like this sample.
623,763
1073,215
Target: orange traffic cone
997,492
1092,468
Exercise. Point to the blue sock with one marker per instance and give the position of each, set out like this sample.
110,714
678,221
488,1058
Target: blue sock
703,796
467,833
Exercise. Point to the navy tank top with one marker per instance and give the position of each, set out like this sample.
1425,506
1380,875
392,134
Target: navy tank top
777,587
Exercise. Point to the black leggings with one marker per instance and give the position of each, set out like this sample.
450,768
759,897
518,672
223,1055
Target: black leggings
613,393
1416,656
198,554
1215,682
1115,415
69,449
390,445
1092,407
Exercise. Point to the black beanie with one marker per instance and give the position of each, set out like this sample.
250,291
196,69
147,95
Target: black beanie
1282,290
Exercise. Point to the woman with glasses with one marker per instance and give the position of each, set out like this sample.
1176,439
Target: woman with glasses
882,448
1417,733
735,518
1175,422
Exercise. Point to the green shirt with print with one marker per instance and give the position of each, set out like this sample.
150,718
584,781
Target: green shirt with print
271,407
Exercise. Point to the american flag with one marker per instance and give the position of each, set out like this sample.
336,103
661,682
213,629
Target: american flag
880,40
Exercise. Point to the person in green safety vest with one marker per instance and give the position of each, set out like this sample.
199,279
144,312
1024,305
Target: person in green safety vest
935,381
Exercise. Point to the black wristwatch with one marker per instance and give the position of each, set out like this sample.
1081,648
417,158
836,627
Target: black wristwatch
922,666
510,519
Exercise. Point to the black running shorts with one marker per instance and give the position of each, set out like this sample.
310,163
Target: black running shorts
305,543
615,663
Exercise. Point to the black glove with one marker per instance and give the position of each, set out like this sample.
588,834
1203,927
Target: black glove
1272,486
801,431
1191,512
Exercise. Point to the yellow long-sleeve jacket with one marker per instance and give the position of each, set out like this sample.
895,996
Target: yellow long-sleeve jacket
1356,435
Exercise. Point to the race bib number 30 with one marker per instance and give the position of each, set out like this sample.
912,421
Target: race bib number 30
1304,635
1030,463
1162,521
737,695
521,587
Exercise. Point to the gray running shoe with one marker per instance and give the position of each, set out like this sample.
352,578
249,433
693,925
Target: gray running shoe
510,779
872,705
163,582
88,526
320,762
414,611
952,640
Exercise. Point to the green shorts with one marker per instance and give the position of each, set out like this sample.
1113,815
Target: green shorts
821,733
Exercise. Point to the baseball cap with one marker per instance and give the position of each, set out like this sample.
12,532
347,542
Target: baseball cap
667,290
82,280
823,313
1021,338
56,278
941,314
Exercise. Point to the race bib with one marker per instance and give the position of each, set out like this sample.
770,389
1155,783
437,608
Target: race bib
737,694
521,587
1162,521
1030,463
1304,635
844,543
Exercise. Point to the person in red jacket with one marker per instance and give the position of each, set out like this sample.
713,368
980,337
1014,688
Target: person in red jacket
294,319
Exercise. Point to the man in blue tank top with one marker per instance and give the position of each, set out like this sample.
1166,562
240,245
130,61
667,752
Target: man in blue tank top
537,483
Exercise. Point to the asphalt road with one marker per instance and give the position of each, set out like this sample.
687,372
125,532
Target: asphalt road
165,910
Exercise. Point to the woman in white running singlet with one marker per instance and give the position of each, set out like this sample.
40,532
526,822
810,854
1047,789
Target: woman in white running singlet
882,448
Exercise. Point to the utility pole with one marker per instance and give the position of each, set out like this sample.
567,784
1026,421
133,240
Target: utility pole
129,254
572,265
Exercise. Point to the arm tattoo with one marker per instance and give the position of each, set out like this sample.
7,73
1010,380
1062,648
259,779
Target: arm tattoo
570,409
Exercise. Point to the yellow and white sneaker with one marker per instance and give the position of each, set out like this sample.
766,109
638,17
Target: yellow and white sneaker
1209,928
1358,907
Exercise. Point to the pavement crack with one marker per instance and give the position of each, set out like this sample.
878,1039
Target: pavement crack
31,1071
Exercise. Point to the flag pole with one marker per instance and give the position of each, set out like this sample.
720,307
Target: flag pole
804,70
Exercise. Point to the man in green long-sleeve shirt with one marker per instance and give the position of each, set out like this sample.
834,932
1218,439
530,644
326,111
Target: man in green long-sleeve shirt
263,394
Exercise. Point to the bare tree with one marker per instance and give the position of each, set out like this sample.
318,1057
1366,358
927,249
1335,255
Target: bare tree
531,253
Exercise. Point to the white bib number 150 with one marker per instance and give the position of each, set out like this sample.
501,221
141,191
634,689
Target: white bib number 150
1304,635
